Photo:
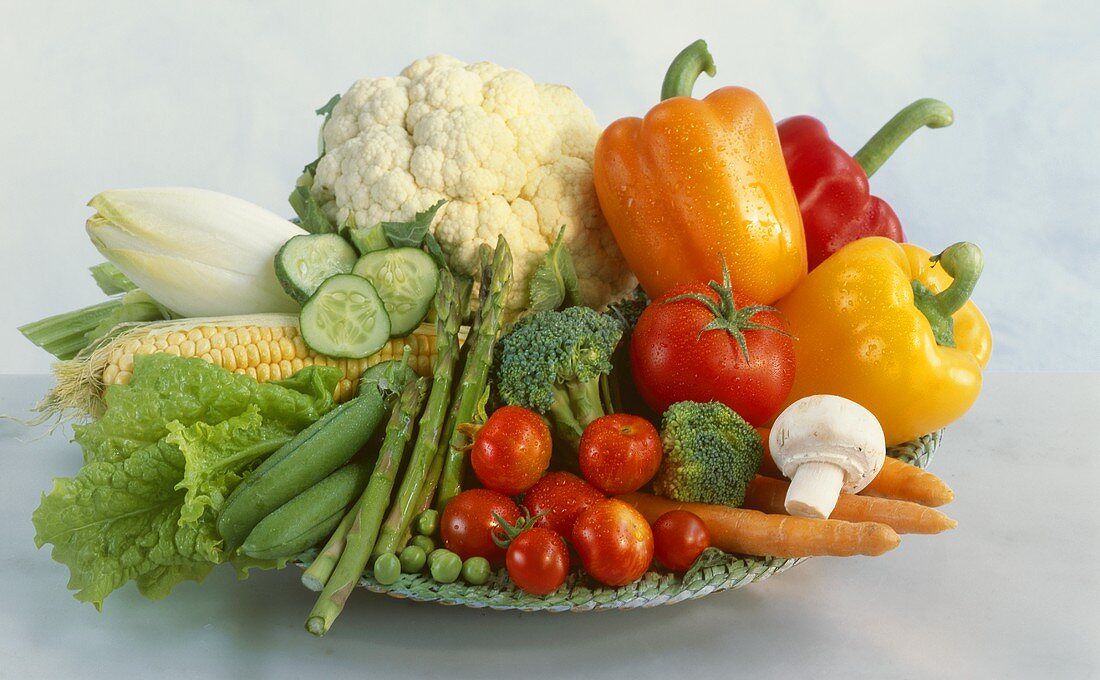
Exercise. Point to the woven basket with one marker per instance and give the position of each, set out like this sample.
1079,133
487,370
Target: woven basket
721,572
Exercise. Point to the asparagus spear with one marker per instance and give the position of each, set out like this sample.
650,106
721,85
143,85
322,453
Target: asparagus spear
431,481
475,374
317,574
367,515
448,317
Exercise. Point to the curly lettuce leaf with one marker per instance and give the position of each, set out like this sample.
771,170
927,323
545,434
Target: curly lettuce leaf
170,448
165,388
119,520
217,456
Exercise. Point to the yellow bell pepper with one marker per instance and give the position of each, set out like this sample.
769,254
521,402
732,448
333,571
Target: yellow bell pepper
892,328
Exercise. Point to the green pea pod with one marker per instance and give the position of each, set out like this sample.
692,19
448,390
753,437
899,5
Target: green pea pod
309,517
315,453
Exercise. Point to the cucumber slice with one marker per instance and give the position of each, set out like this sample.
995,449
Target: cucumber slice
306,260
406,279
345,318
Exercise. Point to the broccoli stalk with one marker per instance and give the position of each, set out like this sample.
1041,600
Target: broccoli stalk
576,404
553,362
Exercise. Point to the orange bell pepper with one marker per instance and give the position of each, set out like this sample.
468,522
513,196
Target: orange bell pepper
697,181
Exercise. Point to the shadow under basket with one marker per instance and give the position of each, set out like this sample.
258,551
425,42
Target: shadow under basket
580,593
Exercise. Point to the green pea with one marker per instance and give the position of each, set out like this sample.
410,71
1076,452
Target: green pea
427,523
412,559
446,567
438,552
475,571
424,543
387,569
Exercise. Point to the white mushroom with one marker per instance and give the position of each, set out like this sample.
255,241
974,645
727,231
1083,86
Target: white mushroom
826,443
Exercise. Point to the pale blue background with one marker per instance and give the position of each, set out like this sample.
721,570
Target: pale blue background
220,95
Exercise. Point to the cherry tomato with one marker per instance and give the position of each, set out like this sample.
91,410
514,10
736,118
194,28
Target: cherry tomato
614,542
538,561
619,453
468,524
673,359
679,537
560,497
511,451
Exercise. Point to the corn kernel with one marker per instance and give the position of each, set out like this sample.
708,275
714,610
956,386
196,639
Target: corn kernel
240,355
263,351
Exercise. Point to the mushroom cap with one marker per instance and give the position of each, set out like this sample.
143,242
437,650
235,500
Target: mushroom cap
829,429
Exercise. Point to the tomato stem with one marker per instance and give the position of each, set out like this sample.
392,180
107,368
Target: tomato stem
727,316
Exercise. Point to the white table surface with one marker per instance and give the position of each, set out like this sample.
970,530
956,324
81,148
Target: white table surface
1012,593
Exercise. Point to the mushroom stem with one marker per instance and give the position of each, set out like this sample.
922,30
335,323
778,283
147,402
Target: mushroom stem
814,490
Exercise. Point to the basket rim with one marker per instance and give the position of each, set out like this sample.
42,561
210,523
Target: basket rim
579,593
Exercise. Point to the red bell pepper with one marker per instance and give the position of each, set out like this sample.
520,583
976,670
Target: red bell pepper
832,188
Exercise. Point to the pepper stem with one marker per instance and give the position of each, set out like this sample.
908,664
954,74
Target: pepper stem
689,64
963,261
922,113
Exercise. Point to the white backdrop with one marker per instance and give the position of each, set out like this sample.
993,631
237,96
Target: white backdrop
220,95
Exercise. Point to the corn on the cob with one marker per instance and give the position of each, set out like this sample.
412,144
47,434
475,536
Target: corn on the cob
263,346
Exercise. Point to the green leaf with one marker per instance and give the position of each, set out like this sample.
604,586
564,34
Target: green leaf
432,247
120,520
411,234
169,449
136,306
243,563
365,239
554,284
216,457
110,279
165,388
310,216
326,110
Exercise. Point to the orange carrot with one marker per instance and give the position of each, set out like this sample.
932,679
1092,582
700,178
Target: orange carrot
897,479
767,495
748,532
903,481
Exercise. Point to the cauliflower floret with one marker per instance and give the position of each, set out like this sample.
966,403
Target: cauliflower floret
511,156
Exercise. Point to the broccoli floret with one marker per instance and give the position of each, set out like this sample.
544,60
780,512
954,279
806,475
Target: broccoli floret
711,454
553,362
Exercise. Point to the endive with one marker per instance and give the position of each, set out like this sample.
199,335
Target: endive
197,252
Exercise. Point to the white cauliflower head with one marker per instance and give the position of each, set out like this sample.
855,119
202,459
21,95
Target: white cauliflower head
511,156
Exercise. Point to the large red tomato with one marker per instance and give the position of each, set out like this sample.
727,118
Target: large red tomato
686,348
